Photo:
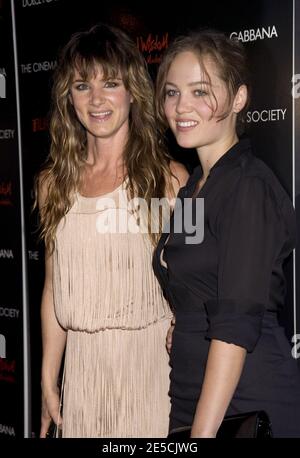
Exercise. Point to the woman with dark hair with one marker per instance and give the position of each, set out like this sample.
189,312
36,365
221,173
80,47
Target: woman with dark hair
228,355
101,302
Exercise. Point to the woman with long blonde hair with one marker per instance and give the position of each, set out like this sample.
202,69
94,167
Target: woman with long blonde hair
101,303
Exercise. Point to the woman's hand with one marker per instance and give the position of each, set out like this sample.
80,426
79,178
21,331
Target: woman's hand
50,411
170,335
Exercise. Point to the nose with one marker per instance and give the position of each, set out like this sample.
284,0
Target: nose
97,96
183,104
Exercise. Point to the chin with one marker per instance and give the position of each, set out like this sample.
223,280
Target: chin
186,143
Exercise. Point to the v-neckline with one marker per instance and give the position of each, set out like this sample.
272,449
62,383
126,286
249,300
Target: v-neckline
196,191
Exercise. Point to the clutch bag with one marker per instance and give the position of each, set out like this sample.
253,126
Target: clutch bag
54,431
246,425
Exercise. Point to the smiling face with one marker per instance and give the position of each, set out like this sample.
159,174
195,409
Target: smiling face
195,101
101,105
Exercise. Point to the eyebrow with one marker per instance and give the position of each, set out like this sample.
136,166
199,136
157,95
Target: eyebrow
107,79
194,83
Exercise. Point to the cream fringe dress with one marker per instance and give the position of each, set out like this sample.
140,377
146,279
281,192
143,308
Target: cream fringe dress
116,374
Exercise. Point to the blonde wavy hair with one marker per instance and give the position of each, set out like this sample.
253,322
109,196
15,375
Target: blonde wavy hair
145,157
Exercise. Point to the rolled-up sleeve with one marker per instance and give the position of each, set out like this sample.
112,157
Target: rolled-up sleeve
248,241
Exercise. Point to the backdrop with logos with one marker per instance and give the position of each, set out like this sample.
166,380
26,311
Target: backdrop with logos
268,29
11,247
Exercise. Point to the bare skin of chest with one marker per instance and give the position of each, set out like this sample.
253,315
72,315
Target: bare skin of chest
100,182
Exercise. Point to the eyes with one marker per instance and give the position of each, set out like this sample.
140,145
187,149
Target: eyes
81,86
176,93
109,84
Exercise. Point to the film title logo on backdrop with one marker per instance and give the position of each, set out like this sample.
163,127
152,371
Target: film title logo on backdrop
271,115
6,193
153,46
7,367
28,3
36,67
40,125
255,34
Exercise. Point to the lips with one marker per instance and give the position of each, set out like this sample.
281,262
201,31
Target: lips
185,124
100,115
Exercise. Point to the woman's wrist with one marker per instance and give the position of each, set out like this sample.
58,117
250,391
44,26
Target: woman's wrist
49,386
202,433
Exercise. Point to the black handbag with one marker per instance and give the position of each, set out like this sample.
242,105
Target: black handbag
54,431
246,425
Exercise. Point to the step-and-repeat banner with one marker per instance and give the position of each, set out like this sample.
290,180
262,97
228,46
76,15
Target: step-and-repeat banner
12,304
268,28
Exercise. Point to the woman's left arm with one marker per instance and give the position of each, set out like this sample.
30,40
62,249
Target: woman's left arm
223,370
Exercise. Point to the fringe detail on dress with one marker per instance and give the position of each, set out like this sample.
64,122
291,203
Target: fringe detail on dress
110,273
117,383
107,297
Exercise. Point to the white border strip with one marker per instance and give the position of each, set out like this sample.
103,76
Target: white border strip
26,346
294,166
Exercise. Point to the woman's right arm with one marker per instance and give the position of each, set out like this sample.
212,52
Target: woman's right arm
53,341
179,178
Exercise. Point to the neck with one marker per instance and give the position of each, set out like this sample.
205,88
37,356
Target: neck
106,153
210,154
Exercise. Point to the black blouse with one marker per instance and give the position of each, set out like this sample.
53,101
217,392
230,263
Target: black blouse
235,274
